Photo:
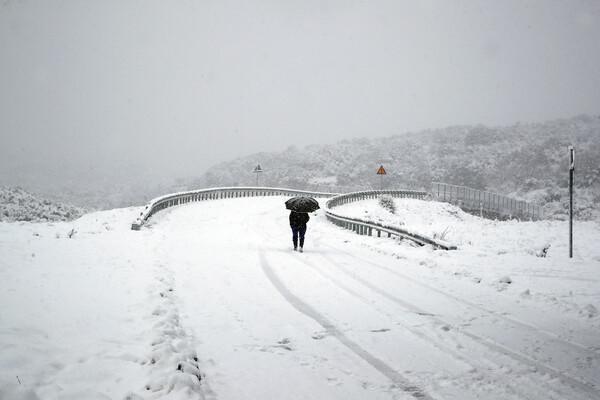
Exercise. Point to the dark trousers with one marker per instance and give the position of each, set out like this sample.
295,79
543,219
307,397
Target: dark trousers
298,230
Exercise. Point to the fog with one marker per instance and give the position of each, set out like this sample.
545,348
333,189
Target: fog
177,86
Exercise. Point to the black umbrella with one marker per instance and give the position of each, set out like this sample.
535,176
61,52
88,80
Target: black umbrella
302,204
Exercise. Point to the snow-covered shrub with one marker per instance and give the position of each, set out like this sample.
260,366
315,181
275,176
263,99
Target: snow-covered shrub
17,204
387,202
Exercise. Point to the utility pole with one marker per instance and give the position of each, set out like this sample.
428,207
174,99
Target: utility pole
257,171
571,172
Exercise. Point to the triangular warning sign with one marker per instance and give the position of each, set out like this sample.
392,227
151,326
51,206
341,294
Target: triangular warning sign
381,171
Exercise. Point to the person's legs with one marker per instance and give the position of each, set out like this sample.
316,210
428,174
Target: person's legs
295,237
302,231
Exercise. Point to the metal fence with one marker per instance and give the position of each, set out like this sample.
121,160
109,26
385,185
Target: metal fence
486,204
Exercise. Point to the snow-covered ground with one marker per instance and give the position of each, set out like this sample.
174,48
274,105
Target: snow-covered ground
213,291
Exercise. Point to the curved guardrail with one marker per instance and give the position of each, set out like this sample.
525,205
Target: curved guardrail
359,226
174,199
362,227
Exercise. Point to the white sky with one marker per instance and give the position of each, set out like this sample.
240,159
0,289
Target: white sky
185,84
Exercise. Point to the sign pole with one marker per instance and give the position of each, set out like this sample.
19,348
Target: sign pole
257,171
381,172
571,172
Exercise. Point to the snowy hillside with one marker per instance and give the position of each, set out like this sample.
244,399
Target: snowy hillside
208,301
17,204
526,161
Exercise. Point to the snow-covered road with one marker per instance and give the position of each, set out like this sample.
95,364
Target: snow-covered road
213,289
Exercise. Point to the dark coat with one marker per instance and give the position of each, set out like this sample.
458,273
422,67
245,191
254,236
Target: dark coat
298,219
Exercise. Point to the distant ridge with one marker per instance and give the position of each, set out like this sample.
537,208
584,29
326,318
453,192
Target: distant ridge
527,161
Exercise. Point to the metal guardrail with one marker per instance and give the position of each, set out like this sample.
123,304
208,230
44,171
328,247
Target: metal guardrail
374,194
486,203
174,199
362,227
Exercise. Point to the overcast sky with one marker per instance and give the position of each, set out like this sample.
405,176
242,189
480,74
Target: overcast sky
185,84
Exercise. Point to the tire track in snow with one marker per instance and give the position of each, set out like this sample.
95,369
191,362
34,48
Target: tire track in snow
331,329
583,386
415,331
552,336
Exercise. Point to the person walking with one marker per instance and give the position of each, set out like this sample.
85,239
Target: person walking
298,222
